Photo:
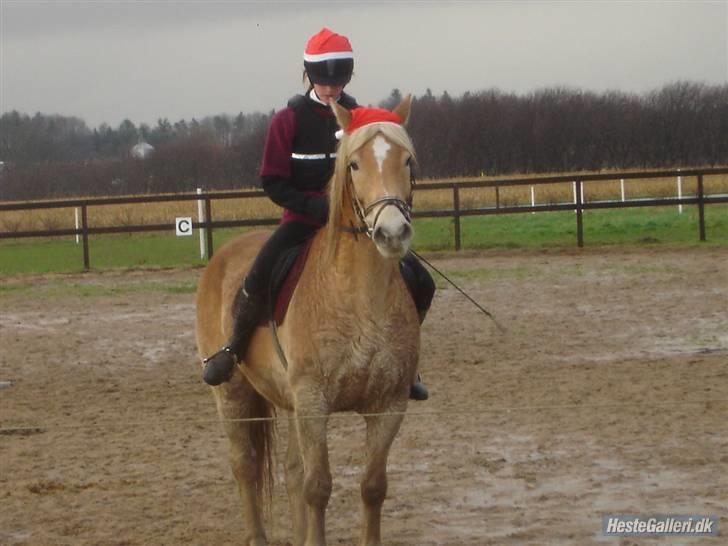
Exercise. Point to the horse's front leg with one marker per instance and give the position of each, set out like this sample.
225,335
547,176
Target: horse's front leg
311,423
294,484
381,430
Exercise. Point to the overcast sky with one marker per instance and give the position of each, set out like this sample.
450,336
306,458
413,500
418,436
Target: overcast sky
104,61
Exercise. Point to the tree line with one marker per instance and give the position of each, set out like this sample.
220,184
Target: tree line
479,133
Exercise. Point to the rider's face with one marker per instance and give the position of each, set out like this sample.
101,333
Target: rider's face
327,93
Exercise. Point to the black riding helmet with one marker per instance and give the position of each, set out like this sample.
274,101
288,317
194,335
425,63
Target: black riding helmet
328,58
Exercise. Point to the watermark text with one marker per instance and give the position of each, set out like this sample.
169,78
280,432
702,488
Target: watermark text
619,525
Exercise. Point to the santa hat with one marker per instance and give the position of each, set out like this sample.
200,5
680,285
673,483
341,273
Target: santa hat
365,116
326,45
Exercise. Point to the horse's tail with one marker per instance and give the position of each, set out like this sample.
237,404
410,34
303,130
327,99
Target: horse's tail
243,410
262,439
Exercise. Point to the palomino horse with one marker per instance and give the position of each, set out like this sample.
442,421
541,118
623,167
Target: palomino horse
350,336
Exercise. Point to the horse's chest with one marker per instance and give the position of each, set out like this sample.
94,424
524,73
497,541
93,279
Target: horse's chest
365,346
368,360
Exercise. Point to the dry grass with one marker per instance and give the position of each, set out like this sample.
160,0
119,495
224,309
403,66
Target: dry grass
261,207
562,192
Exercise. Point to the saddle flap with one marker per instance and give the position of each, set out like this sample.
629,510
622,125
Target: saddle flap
285,276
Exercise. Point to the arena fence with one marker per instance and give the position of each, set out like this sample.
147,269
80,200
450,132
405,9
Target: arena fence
208,224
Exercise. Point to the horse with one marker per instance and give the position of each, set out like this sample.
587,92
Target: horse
350,337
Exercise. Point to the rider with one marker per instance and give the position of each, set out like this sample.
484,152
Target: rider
298,161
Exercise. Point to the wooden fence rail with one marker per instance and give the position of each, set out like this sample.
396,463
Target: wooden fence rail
457,212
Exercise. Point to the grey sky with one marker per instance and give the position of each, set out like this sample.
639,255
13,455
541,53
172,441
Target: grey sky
110,60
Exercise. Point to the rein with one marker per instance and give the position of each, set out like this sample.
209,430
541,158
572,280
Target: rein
471,300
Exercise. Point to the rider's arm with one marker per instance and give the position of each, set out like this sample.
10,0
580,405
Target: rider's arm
282,193
276,170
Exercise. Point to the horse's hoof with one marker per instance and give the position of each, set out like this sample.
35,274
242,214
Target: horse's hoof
419,392
219,367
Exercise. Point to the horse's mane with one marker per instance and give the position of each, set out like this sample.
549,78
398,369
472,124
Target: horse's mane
338,187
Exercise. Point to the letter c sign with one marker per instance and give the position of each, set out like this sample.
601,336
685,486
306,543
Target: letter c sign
183,226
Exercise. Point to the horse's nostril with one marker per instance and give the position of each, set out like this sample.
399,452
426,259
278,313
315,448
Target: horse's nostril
406,232
380,236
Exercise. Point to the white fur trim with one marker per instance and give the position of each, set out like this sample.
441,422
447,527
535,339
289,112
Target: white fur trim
327,56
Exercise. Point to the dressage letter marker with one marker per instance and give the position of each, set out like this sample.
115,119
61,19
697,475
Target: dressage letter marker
183,226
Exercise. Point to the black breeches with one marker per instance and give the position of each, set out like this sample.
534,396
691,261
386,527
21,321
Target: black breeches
419,282
285,237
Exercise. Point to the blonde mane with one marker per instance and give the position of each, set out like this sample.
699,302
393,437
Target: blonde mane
338,187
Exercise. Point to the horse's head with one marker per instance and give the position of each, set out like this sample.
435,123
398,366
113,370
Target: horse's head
372,185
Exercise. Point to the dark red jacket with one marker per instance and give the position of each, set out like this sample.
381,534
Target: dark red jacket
299,156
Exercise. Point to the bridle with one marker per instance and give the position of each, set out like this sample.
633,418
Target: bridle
361,211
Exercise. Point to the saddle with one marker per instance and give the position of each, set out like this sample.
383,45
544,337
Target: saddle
284,278
287,271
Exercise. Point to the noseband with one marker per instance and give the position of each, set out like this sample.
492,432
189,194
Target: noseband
405,207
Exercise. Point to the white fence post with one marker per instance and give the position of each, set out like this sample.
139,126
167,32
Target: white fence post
582,194
76,213
679,192
621,187
533,199
201,218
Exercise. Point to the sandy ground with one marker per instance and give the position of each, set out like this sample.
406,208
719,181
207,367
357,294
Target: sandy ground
596,400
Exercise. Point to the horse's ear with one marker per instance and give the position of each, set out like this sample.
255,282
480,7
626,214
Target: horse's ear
343,116
403,109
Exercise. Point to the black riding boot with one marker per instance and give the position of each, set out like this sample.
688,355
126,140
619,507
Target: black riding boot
418,391
247,314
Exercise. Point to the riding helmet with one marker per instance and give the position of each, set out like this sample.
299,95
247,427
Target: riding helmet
328,58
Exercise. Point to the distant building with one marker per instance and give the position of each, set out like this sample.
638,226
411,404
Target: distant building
142,150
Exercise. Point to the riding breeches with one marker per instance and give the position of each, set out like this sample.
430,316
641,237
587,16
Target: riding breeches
286,236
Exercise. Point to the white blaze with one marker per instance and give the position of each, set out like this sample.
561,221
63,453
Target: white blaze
380,147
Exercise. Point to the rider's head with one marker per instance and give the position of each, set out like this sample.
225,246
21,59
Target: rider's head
328,59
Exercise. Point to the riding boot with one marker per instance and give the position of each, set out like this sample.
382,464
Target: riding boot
418,391
247,311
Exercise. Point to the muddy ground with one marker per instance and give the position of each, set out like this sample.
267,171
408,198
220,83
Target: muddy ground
597,400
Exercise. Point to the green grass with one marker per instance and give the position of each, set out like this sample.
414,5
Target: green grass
55,288
152,250
637,226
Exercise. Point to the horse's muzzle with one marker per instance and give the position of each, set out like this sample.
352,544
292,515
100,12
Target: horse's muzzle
393,238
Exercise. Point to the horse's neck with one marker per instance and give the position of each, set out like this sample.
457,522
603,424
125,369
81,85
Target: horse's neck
357,267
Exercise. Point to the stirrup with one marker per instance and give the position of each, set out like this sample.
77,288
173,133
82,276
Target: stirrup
220,366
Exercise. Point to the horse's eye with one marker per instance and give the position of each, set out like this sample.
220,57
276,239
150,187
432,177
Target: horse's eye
354,166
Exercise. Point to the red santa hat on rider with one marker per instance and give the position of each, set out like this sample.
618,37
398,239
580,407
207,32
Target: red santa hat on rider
328,58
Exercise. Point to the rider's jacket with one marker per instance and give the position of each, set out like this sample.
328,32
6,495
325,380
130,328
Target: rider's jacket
299,156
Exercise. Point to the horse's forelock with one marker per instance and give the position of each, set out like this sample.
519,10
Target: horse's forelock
349,144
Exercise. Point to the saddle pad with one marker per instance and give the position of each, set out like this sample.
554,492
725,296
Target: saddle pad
285,277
